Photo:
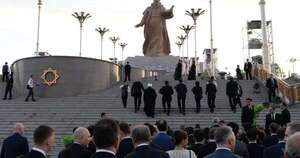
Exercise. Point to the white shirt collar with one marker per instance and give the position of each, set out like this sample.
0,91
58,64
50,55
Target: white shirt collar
223,148
143,144
211,140
40,150
105,151
127,137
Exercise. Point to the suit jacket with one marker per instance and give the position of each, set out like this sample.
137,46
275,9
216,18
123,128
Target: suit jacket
163,141
103,155
76,151
197,148
270,119
147,152
211,89
207,149
127,68
271,140
181,89
247,115
231,88
275,151
285,117
241,149
270,84
14,146
255,150
167,92
35,154
126,146
198,92
222,153
137,89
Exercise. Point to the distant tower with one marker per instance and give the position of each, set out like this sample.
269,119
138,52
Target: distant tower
266,54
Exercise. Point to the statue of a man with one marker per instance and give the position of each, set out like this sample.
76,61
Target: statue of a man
157,42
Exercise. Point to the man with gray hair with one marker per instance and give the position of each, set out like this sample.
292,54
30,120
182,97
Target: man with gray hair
16,144
225,140
141,139
79,148
292,147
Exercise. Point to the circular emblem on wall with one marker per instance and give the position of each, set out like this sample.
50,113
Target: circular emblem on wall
50,77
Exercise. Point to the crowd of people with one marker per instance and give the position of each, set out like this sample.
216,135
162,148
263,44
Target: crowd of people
112,139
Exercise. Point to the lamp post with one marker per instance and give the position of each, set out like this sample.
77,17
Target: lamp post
114,39
102,31
194,14
81,18
212,52
187,30
38,27
123,45
182,38
179,44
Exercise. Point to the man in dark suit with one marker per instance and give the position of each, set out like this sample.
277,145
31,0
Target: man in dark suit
106,139
181,96
276,150
79,148
225,140
239,93
255,150
126,145
285,115
150,101
5,72
141,139
127,72
231,92
162,140
210,147
9,86
238,73
248,69
137,92
199,137
272,117
271,84
272,139
15,145
198,94
211,90
43,138
240,147
166,92
247,117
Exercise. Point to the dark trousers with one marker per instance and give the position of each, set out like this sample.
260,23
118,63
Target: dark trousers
30,94
4,76
198,103
272,94
248,75
168,102
238,101
8,90
127,76
232,101
181,104
211,102
137,103
150,109
124,100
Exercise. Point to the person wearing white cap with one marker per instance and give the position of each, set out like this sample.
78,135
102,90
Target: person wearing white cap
149,100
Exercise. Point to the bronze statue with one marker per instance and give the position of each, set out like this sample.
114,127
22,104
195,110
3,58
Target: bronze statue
157,42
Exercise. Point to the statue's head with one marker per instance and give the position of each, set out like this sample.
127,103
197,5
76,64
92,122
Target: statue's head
156,1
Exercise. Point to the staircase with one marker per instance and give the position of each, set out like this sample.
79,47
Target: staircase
63,114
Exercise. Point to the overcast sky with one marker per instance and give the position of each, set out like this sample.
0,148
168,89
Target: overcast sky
59,33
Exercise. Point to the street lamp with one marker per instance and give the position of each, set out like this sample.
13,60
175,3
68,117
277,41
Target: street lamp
187,30
182,39
38,27
114,39
194,14
81,18
123,45
179,44
102,31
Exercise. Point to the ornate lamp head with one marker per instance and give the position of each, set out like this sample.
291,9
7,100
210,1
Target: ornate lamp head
186,29
181,38
195,13
114,39
123,45
81,16
102,31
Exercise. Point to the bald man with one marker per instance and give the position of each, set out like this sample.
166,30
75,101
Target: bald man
292,147
16,144
79,148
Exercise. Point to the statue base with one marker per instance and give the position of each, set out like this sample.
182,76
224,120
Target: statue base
166,63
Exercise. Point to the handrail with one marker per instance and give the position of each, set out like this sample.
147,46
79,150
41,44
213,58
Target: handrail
290,93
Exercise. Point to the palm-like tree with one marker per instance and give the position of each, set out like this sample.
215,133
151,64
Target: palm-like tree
102,31
114,39
123,45
194,14
81,16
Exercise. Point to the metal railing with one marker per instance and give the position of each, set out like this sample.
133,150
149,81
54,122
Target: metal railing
290,93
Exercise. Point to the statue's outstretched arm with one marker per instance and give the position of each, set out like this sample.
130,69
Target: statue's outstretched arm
143,21
168,14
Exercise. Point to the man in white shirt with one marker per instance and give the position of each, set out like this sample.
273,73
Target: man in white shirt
30,86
